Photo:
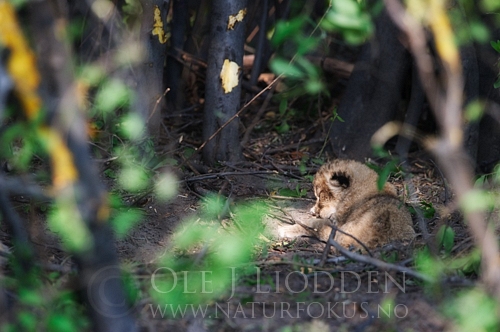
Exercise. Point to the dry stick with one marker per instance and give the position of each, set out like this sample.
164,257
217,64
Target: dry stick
448,149
238,113
158,100
375,262
327,246
257,117
217,175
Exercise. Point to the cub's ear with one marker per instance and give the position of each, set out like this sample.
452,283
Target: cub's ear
340,179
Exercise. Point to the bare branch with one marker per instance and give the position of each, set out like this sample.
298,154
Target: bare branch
446,102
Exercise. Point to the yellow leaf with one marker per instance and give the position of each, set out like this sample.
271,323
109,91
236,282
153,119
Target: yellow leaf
233,19
229,75
21,63
64,172
158,26
443,35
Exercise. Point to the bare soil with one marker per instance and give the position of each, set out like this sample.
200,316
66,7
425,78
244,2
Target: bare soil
290,291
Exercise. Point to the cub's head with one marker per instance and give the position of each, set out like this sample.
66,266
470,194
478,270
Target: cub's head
330,186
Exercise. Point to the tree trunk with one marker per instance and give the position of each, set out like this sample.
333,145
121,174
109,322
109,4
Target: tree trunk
99,275
150,74
173,69
373,92
221,103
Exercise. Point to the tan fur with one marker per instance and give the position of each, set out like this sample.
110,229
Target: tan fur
347,195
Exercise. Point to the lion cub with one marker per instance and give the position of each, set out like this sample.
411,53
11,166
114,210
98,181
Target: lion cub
348,196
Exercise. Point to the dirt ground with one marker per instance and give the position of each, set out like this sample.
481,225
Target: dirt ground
292,291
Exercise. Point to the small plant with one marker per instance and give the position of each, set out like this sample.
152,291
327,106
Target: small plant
220,255
297,192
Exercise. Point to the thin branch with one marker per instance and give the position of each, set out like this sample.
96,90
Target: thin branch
222,174
446,102
377,262
238,113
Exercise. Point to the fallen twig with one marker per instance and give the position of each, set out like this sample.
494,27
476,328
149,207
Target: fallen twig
377,262
222,174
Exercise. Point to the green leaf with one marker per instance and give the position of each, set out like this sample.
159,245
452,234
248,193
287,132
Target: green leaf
284,127
445,237
285,30
314,87
495,45
385,173
65,220
473,310
490,5
428,209
132,126
346,7
166,186
297,192
336,115
429,266
283,106
474,111
112,95
496,85
306,45
477,200
60,323
125,220
133,178
92,74
479,31
281,66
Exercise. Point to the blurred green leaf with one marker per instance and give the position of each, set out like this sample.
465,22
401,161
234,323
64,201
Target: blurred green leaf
60,323
124,220
133,178
479,31
18,3
490,5
283,106
477,200
133,126
428,209
65,220
281,66
496,85
473,310
27,320
474,111
495,45
314,87
285,30
445,238
384,174
336,116
92,75
166,186
297,192
348,18
429,266
112,95
284,127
